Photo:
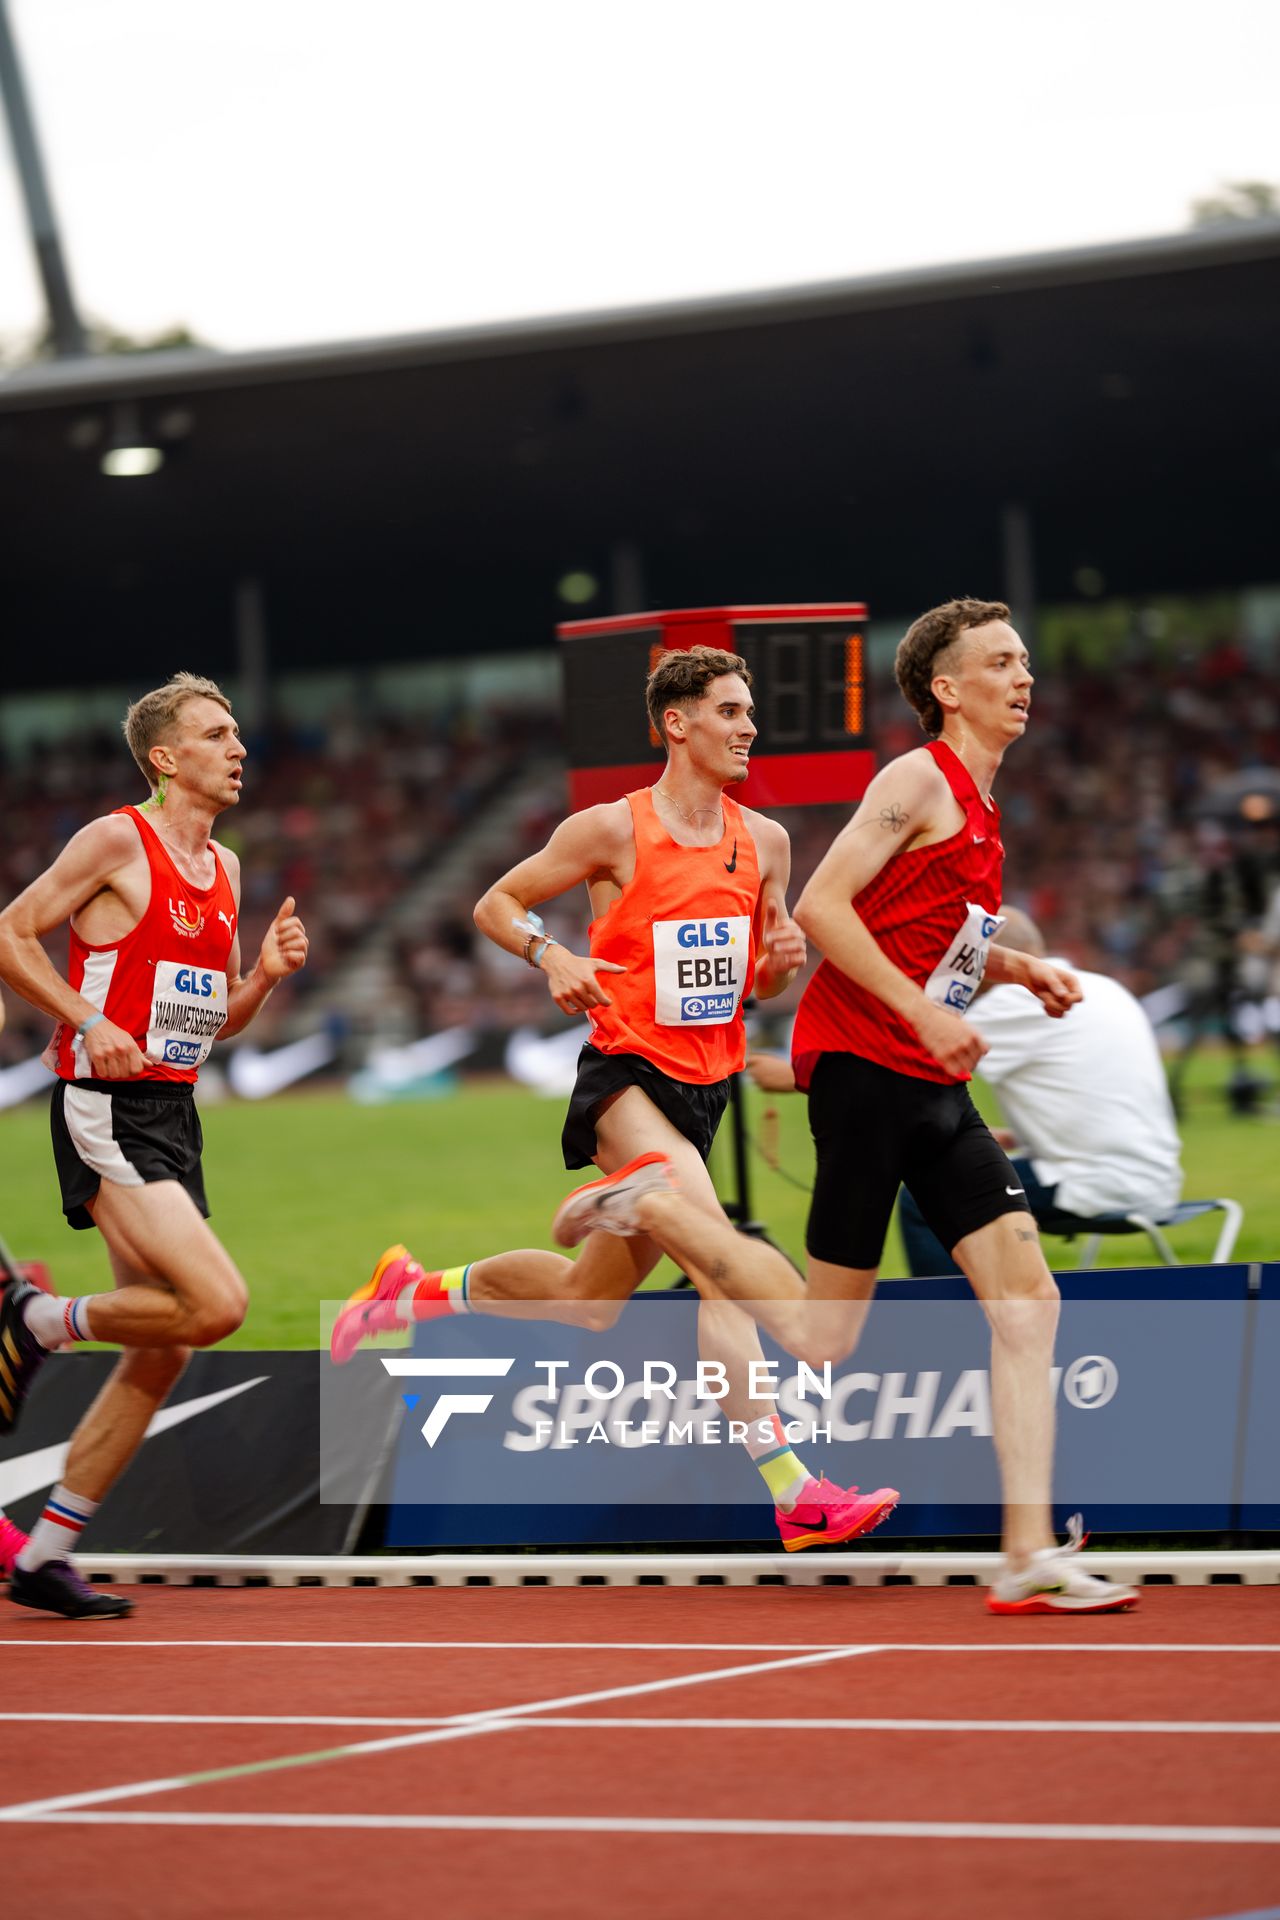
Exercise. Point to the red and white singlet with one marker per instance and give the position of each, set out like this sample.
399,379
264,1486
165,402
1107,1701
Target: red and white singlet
165,981
684,929
933,911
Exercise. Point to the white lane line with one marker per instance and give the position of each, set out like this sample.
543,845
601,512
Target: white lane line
739,1829
653,1722
460,1727
1056,1645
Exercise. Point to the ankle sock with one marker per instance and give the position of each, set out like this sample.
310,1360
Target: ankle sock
57,1532
783,1472
447,1288
56,1322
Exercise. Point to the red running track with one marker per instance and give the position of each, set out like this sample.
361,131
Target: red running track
656,1752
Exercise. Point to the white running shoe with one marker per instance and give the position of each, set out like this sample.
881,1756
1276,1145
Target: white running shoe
608,1206
1052,1583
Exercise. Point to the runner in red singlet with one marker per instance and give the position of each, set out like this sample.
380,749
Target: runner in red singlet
904,906
154,978
688,890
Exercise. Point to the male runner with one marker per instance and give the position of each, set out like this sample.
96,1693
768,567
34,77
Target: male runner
686,889
154,978
903,906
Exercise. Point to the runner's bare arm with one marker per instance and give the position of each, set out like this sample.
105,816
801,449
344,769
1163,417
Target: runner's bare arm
905,805
85,867
780,942
1056,988
596,844
283,951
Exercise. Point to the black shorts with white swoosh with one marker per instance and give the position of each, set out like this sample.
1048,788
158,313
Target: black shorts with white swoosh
131,1132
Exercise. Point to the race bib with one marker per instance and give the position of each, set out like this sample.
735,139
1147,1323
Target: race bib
699,970
188,1012
958,975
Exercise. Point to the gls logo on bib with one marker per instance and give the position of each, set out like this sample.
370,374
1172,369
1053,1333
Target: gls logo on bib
699,970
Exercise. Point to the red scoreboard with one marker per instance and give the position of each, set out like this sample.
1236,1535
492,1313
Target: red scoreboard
808,682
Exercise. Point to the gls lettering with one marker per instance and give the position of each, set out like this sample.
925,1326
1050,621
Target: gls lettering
187,980
703,933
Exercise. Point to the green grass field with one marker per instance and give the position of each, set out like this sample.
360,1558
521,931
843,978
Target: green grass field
306,1190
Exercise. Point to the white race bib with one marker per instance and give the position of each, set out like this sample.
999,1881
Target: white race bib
699,970
958,974
188,1012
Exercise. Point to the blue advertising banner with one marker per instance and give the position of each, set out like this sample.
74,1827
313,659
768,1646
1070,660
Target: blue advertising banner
533,1432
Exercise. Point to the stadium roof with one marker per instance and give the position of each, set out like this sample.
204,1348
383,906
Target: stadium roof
891,438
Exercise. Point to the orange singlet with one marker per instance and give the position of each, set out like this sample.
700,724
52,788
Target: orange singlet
684,929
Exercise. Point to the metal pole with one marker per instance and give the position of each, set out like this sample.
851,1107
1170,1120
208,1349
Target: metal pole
65,324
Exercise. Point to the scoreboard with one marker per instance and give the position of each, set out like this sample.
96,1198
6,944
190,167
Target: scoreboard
808,673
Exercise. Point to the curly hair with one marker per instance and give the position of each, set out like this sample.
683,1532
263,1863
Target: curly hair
919,657
681,677
156,714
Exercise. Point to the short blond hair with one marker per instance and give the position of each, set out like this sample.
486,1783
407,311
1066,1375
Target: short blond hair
151,719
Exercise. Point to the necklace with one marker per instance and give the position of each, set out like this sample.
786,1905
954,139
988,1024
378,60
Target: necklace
691,814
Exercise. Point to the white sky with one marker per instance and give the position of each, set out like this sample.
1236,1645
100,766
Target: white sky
277,171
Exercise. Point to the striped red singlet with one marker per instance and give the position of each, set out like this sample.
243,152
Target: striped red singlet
917,907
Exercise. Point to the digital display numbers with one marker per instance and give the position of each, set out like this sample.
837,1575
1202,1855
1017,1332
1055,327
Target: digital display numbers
808,684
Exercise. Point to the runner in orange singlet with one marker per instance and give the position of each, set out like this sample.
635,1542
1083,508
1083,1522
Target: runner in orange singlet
154,979
688,893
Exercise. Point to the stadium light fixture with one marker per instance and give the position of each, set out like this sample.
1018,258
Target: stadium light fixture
129,453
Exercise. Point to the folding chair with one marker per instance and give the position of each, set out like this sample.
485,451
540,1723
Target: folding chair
1094,1226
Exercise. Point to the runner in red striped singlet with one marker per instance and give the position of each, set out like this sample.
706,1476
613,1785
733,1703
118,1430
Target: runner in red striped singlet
154,978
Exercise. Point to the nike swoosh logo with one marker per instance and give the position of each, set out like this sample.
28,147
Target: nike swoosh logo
731,866
29,1472
811,1526
1015,1189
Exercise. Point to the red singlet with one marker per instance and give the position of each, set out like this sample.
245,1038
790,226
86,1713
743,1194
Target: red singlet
684,929
165,981
932,911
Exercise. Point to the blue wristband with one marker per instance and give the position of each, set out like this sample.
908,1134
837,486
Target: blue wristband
90,1020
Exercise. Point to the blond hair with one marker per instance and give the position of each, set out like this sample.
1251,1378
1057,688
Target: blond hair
151,719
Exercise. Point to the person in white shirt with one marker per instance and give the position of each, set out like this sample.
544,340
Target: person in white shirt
1090,1126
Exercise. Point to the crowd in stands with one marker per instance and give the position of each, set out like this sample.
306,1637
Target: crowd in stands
1113,840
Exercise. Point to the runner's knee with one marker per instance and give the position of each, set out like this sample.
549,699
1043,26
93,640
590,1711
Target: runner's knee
218,1314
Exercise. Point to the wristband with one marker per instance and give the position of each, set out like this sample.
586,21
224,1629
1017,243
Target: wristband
549,940
90,1020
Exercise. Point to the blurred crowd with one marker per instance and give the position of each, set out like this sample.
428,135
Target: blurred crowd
1124,836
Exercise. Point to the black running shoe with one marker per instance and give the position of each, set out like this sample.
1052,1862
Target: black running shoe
56,1587
21,1355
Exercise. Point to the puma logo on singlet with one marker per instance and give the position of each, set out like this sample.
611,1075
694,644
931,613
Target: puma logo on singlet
731,866
229,918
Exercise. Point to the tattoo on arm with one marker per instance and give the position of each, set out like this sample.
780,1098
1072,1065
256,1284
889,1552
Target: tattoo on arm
892,817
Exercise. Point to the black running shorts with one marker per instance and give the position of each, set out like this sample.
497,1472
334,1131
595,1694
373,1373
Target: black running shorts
694,1111
132,1132
875,1129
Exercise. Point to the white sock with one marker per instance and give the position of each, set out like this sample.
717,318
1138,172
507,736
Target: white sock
56,1322
57,1532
